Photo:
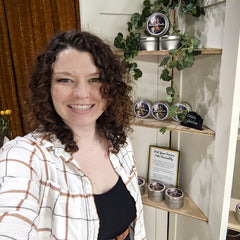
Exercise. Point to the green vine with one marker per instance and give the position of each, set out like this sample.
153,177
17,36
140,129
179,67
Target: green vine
137,27
178,59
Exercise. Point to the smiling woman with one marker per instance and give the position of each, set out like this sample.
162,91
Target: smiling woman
74,175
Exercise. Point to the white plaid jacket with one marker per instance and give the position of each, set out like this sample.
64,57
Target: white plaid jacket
44,194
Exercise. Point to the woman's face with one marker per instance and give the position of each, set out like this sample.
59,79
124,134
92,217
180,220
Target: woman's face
75,89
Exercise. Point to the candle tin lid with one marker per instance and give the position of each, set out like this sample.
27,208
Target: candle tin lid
182,106
142,108
149,39
237,213
156,186
156,191
158,24
175,193
174,198
160,110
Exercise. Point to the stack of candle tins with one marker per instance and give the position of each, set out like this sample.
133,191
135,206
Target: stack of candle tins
159,110
157,192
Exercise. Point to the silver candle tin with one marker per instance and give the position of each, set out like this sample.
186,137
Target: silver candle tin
182,106
168,42
148,43
141,184
142,108
156,191
160,110
174,197
158,24
237,213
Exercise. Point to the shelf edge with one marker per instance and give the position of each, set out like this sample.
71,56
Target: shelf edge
193,212
204,51
170,125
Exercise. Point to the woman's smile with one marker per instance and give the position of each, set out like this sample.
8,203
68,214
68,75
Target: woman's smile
81,107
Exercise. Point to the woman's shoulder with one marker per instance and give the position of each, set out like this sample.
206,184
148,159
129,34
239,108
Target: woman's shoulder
29,142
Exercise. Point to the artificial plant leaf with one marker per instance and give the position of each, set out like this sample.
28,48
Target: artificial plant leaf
172,51
174,4
173,64
135,17
135,53
170,99
165,77
137,36
181,116
146,12
127,55
170,91
163,130
179,65
195,42
187,8
118,41
132,66
129,26
188,60
173,110
137,73
147,3
164,61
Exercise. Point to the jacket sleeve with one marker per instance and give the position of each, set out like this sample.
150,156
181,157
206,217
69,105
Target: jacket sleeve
19,190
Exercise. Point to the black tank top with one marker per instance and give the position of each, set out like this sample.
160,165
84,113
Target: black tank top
116,210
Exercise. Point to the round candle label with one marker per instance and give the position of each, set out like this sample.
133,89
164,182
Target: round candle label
174,192
156,186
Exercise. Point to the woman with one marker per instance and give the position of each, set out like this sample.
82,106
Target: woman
74,177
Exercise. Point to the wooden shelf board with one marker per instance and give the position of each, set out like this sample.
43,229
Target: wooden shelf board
170,125
238,137
233,224
204,51
189,209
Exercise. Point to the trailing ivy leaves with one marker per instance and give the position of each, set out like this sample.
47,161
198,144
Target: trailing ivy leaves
171,93
130,47
180,58
194,7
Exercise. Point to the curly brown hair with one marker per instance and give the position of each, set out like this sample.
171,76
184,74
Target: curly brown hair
116,89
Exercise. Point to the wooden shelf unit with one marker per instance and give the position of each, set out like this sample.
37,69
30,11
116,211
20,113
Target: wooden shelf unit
189,209
170,125
204,51
233,224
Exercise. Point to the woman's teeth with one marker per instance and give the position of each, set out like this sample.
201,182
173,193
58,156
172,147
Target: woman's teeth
81,107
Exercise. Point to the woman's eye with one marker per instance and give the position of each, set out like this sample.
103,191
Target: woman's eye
95,80
64,80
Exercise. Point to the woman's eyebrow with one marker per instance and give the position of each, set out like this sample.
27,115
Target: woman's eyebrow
64,73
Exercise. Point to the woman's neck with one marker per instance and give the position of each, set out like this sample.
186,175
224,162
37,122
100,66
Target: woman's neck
87,135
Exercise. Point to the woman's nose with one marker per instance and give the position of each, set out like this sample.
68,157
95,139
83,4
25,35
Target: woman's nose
81,90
